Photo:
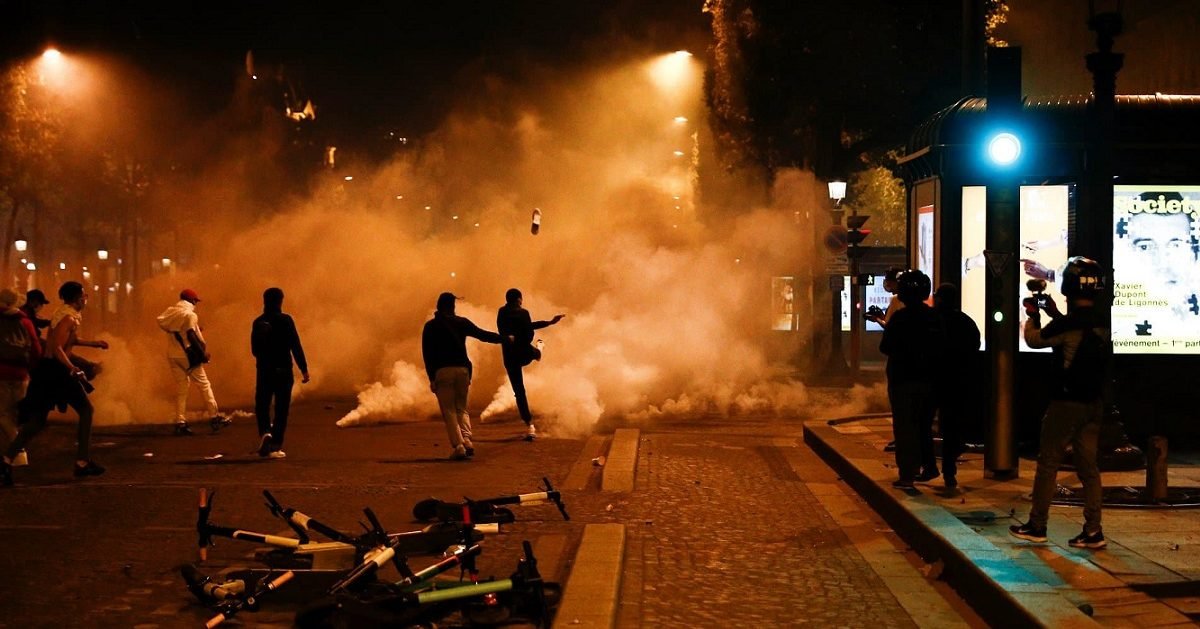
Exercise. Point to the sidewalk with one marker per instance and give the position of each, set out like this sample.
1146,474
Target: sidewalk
1148,576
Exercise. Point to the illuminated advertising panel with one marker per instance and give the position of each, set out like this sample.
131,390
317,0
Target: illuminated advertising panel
783,303
925,240
875,296
1156,276
1042,252
974,240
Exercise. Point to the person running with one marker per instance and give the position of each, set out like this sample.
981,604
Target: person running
57,380
35,300
516,329
444,350
182,325
274,342
20,349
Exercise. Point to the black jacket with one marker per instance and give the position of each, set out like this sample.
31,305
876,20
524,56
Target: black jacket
444,342
513,320
914,343
274,341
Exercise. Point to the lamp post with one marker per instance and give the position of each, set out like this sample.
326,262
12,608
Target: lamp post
102,255
836,365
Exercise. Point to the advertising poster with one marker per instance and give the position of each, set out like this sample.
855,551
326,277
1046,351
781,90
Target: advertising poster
875,296
783,304
974,273
1042,251
1156,279
925,245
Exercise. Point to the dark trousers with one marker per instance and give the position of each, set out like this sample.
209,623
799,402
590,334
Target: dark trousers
952,418
50,384
517,378
1076,424
273,384
912,422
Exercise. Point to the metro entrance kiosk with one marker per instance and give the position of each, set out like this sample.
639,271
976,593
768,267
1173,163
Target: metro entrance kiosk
1154,242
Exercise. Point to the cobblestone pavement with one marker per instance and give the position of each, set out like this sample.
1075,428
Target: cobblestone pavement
722,532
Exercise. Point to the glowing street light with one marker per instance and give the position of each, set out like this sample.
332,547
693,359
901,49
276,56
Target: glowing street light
348,178
31,266
62,266
52,55
678,153
837,191
102,254
670,71
20,244
166,262
680,119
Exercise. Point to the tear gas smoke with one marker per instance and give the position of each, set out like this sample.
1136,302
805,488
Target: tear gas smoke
667,314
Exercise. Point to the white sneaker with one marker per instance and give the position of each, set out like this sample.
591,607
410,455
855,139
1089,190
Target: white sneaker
21,460
531,433
277,454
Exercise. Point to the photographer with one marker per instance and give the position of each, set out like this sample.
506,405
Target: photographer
914,343
1082,349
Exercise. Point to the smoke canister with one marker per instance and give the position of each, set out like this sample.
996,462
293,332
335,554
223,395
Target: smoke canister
537,222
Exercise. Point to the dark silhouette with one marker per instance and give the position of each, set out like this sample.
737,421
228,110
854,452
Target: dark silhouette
516,327
56,381
913,341
1082,351
956,377
444,349
274,341
35,300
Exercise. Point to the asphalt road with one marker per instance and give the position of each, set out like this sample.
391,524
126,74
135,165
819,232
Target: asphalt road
733,522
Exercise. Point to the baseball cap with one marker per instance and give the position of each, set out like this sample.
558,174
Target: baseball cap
189,295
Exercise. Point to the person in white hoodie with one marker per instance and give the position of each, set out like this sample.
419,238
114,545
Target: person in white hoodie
182,325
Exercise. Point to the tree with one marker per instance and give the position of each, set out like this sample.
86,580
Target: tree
829,86
30,133
875,191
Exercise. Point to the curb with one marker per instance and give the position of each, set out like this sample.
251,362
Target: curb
590,598
996,587
622,459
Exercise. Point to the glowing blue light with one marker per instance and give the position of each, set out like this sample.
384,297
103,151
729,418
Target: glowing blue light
1004,149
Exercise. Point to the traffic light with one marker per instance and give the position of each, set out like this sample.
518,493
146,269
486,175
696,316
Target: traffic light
855,234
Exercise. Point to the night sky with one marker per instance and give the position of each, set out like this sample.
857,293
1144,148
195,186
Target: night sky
366,65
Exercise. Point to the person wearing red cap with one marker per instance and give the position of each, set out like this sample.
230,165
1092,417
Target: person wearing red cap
182,325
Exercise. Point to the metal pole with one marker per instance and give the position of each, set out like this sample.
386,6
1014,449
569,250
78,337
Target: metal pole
836,365
1003,222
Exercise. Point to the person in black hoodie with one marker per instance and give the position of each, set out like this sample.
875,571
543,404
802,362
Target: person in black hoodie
444,349
274,341
516,327
913,343
1082,349
957,377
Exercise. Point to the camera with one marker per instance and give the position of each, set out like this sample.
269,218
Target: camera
873,312
1039,298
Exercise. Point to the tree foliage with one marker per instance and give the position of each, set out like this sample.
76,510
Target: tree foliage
827,87
30,144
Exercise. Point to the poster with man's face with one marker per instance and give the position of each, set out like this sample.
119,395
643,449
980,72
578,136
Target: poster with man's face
1156,273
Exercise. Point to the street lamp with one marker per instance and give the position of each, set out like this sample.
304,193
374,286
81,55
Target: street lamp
102,253
20,244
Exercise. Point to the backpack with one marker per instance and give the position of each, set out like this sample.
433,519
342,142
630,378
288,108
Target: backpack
15,344
1084,379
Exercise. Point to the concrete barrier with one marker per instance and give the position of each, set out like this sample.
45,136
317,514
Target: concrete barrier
590,598
622,461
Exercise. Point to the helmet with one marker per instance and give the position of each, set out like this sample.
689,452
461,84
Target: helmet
1082,277
913,286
